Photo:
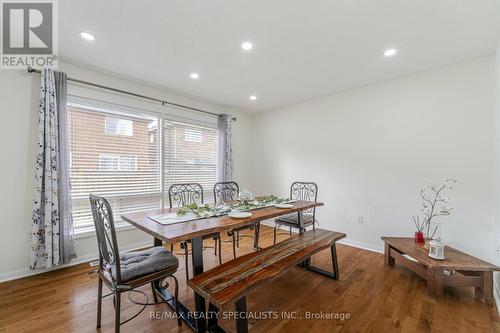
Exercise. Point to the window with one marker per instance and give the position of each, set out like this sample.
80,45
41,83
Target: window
119,126
126,167
188,161
109,162
123,168
192,135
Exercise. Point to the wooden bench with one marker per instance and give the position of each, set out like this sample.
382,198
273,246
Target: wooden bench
232,281
458,269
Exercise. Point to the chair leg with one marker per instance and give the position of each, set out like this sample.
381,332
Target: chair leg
256,237
117,311
171,247
237,239
234,244
215,245
274,231
155,297
186,260
176,296
99,302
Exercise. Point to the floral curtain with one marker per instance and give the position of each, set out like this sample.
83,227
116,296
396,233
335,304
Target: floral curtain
225,153
52,225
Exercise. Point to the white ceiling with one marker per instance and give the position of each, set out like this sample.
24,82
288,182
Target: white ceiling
302,49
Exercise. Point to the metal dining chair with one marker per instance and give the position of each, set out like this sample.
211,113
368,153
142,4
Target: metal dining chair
227,192
124,272
184,194
306,191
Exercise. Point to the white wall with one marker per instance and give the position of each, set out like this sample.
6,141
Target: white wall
372,149
18,103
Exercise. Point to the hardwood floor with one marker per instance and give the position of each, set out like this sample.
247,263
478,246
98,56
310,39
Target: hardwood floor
376,299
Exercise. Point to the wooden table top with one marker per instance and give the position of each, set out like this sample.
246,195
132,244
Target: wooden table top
454,259
233,279
196,228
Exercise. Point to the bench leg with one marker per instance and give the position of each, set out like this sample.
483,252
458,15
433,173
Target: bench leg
212,316
333,275
241,313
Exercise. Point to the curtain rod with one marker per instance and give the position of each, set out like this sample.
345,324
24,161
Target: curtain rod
32,70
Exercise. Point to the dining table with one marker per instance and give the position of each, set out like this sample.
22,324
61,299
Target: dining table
193,231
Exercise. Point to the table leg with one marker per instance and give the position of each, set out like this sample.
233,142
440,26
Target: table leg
435,282
488,287
185,313
199,301
388,260
430,281
256,236
301,222
478,291
306,263
335,262
438,283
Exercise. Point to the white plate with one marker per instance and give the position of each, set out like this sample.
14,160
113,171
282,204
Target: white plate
239,215
283,205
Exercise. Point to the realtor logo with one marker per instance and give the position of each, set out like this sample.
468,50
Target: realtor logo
29,36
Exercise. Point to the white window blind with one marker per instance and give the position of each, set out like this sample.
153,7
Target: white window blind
119,126
187,160
125,166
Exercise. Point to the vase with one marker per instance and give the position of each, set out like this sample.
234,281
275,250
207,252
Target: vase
419,237
432,231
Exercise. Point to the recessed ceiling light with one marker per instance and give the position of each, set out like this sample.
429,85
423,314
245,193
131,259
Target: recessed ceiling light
194,76
87,35
247,46
390,52
253,97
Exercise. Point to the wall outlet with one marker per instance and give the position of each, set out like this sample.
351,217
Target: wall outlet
498,251
360,219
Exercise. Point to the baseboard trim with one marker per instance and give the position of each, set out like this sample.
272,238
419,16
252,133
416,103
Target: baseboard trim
362,245
17,274
345,241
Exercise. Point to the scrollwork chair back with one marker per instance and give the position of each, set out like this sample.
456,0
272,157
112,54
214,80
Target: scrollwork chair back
226,191
184,194
109,254
305,191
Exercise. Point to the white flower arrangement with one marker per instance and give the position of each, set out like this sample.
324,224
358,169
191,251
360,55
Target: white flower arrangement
435,202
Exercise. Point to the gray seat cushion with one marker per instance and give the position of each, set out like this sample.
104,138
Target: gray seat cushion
137,264
293,219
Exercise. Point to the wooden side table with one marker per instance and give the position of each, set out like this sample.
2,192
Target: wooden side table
464,270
